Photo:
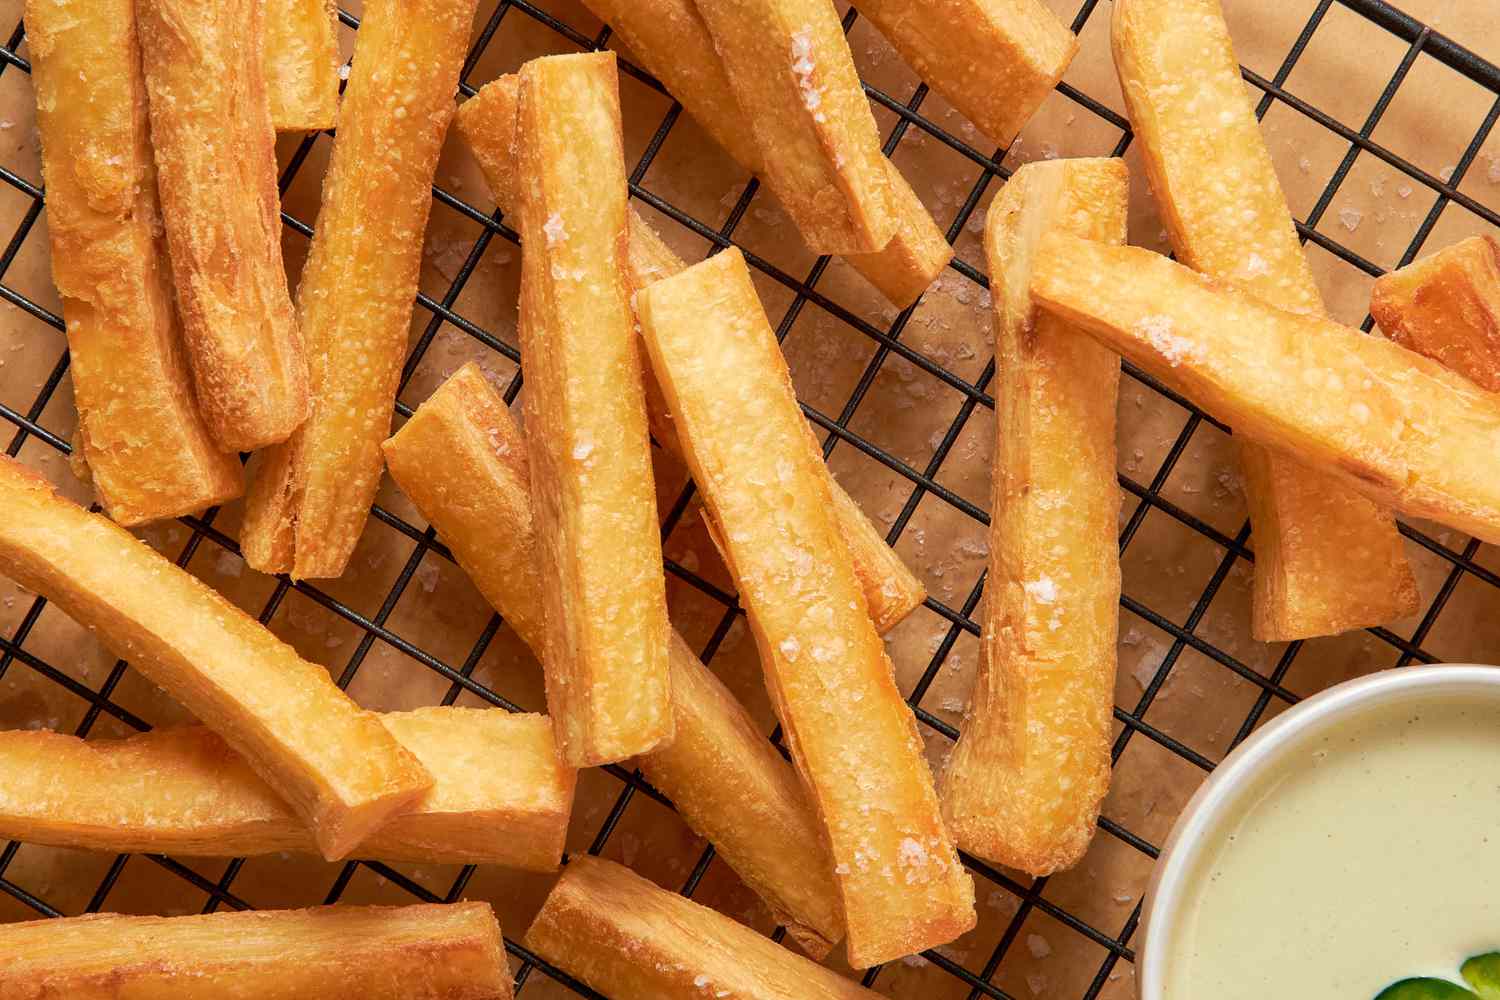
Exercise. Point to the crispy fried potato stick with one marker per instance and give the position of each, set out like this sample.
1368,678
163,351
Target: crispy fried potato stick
337,766
1326,559
598,540
726,780
302,64
626,937
1023,785
500,796
791,71
216,170
853,739
1447,307
311,495
671,40
1399,427
147,446
487,123
994,60
425,952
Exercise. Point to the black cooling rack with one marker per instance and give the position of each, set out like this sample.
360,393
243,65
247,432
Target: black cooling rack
1116,942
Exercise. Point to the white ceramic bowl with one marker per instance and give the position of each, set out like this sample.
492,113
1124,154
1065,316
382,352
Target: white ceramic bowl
1170,886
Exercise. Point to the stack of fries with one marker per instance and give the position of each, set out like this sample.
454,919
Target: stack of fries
158,123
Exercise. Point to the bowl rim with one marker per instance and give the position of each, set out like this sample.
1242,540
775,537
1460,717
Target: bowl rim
1167,888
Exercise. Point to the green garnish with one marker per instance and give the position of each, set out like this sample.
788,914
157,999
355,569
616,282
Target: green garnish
1424,988
1482,973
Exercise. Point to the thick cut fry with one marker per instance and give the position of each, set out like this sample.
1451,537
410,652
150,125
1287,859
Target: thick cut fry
148,448
726,780
500,796
1447,307
311,495
487,123
598,540
302,64
994,60
431,952
852,737
216,170
632,940
1326,559
1399,427
791,72
1023,785
337,766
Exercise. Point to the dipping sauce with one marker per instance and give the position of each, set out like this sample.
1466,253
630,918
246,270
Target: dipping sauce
1365,856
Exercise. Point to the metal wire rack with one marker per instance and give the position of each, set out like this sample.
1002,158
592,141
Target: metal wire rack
1116,941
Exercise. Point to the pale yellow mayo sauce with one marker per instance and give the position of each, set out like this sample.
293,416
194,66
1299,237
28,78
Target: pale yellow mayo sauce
1367,856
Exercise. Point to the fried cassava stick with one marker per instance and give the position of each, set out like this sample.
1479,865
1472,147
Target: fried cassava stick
148,449
1326,558
853,739
302,64
1023,785
1447,307
311,495
431,952
215,152
726,780
335,764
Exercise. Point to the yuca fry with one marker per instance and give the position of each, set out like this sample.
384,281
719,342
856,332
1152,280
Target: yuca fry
633,940
1326,559
853,739
215,152
146,445
1447,307
1399,427
302,64
994,60
311,495
791,71
335,764
487,123
598,540
1023,785
726,780
425,952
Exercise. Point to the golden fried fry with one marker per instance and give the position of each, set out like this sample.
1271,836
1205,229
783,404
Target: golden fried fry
1326,559
993,60
792,74
1023,786
1399,427
598,540
431,952
216,170
148,450
726,780
626,937
302,64
500,796
311,495
337,766
853,739
487,123
1447,307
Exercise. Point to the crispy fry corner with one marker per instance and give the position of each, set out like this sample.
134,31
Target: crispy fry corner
302,64
1326,559
1447,307
1023,785
332,952
215,152
626,937
147,448
310,496
341,771
852,737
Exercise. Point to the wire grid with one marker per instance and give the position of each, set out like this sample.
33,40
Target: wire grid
1116,942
